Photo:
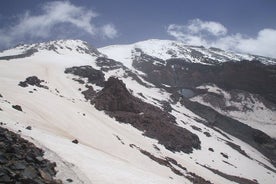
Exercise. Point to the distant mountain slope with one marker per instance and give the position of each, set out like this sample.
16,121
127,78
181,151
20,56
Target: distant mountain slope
150,112
167,49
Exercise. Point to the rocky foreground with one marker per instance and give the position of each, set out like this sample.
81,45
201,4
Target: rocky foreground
22,162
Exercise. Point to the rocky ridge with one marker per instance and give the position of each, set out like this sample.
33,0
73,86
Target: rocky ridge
116,100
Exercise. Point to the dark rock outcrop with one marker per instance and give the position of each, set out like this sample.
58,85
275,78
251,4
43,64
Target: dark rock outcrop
251,76
240,101
237,148
224,155
211,149
233,178
174,166
89,93
118,102
22,162
27,53
94,76
75,141
33,81
107,64
17,107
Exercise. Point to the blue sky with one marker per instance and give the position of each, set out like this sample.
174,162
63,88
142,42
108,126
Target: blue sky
239,25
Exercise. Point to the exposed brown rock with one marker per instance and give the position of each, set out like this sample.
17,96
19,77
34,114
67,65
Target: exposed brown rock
117,101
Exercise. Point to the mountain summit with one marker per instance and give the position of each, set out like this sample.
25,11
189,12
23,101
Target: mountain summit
155,111
168,49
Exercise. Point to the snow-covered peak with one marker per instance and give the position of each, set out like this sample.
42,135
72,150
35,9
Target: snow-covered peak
65,45
168,49
62,47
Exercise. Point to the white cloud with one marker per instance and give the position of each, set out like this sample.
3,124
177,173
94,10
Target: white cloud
263,44
54,14
196,26
184,34
214,34
109,31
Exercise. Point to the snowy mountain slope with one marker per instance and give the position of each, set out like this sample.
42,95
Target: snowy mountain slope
167,49
243,106
60,109
59,46
48,113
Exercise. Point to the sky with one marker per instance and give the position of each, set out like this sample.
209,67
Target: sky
239,25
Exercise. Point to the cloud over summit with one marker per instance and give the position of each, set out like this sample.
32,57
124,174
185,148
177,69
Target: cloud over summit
215,34
54,17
